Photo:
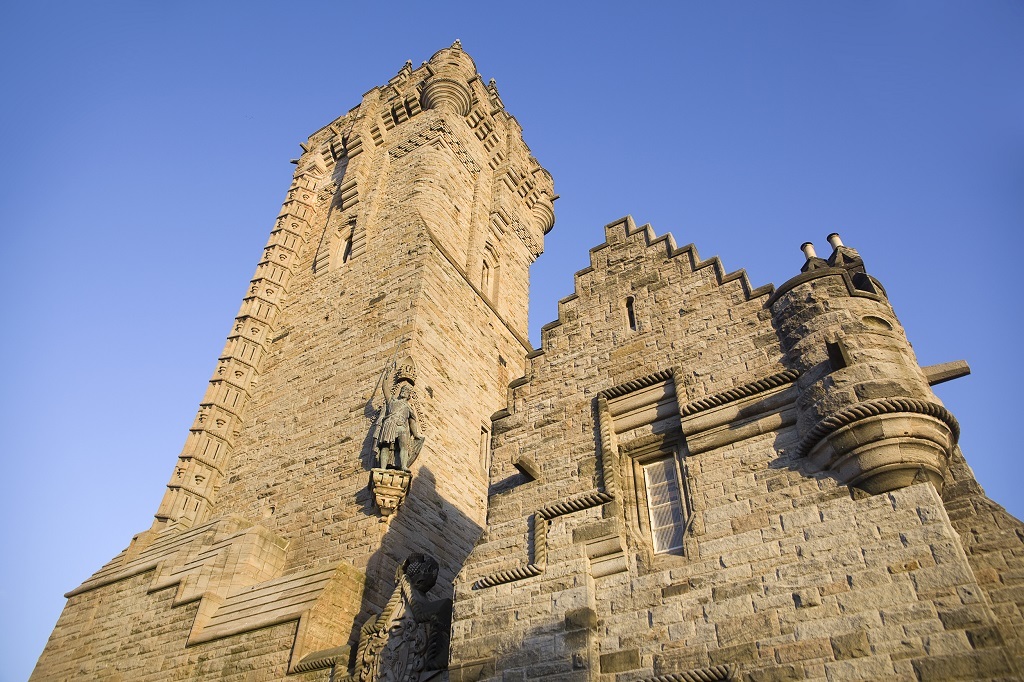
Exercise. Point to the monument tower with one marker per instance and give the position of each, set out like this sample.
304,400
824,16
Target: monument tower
346,426
691,479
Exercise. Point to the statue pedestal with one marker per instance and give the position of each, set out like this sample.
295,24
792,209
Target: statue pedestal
390,487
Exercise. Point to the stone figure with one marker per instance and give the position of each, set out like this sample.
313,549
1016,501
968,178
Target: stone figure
396,432
410,637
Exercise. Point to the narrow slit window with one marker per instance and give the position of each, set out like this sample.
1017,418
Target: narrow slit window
346,252
664,505
630,313
485,450
837,358
485,277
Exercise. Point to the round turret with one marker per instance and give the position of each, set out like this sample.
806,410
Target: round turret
865,409
447,89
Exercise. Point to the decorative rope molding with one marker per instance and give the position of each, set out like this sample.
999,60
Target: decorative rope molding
607,491
539,521
745,391
574,504
717,673
872,408
635,384
609,448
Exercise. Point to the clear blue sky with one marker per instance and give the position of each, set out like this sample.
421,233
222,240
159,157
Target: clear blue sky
145,152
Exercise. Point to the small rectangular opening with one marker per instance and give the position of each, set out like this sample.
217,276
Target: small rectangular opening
836,355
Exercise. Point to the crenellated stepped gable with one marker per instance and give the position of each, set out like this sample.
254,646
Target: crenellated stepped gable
617,233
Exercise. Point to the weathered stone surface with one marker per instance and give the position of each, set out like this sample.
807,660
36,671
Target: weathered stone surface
690,474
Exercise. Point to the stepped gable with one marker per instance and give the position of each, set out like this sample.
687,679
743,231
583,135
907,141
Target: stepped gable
626,226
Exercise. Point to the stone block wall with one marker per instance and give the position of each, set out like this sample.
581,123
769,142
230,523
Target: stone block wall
784,572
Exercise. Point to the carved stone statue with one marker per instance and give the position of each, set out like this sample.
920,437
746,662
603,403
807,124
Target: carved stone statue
396,432
410,637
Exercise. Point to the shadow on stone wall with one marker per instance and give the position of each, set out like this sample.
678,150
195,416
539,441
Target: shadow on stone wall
427,523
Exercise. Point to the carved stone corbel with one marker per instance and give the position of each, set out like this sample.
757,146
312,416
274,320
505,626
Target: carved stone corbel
390,486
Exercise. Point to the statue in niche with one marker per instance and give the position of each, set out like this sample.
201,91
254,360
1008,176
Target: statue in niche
396,432
409,640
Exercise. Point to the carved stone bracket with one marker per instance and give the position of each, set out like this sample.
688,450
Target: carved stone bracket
390,487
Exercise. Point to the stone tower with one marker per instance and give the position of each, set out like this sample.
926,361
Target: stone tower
386,318
691,479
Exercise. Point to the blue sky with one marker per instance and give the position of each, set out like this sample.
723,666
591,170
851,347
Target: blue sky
145,154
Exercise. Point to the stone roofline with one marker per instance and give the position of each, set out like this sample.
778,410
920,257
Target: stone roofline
420,75
673,251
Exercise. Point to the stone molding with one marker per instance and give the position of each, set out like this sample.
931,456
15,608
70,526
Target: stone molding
872,408
745,391
716,673
630,386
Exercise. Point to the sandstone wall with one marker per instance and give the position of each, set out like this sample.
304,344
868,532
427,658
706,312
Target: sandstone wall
784,573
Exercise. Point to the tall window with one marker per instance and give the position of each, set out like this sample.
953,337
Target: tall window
664,504
630,313
346,250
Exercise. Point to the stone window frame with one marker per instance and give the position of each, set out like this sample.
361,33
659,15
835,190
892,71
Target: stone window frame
490,271
634,456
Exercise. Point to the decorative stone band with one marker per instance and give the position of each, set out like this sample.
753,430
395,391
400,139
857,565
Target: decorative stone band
539,520
774,381
872,408
716,673
642,382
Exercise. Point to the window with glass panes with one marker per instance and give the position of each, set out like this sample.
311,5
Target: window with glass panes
664,504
